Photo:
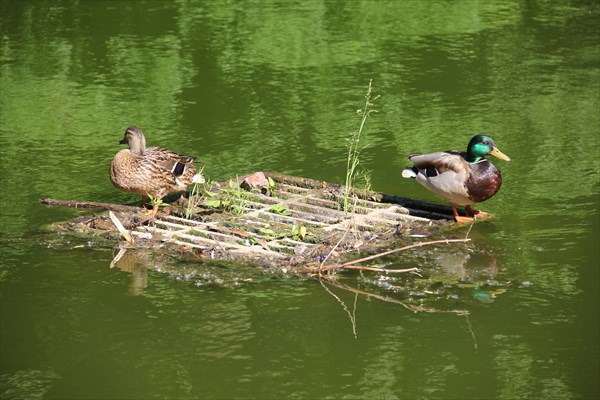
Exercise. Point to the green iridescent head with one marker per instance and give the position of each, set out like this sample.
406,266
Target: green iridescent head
480,146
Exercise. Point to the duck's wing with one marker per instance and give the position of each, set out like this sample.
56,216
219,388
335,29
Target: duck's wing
444,173
168,160
434,164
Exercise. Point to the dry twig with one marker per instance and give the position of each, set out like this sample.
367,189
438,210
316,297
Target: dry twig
352,314
352,264
413,308
120,227
418,244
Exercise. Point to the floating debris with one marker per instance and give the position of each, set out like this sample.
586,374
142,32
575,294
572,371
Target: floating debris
269,219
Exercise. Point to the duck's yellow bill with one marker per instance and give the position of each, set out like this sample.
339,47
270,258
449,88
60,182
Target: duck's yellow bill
497,153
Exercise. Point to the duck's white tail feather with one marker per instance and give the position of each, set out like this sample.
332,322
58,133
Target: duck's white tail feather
409,173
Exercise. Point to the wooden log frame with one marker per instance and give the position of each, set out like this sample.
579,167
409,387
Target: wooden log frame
89,205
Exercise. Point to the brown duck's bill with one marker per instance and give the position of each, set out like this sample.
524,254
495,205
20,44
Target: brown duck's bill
497,153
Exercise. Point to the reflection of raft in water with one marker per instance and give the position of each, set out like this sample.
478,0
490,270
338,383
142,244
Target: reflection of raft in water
290,222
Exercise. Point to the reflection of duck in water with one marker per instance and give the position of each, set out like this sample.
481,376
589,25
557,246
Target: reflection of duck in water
467,266
453,264
461,178
135,262
474,270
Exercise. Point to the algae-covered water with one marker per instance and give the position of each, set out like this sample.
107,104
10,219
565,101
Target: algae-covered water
249,86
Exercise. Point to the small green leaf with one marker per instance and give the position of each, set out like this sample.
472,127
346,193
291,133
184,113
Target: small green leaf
213,203
302,231
279,209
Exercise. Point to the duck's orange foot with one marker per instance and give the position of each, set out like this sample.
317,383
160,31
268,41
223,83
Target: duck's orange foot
464,220
148,216
471,215
477,214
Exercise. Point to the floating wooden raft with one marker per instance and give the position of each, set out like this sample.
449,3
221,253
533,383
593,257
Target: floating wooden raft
261,230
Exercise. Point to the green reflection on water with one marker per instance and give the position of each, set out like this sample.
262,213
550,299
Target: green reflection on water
274,86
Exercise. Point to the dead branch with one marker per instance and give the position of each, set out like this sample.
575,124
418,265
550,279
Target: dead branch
418,244
413,308
89,204
414,270
472,332
351,264
333,267
352,314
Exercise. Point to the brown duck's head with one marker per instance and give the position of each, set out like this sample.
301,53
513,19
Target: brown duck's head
134,137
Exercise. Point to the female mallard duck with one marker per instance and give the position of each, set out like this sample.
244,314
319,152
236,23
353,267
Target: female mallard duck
462,178
152,171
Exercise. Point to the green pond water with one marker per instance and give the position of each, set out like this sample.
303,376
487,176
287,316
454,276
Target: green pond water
275,86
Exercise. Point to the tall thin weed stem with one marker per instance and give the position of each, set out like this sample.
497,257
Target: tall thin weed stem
354,149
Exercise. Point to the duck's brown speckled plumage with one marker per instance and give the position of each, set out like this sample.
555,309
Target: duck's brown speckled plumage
153,171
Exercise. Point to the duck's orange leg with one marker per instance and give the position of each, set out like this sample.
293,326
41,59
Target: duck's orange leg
154,212
460,219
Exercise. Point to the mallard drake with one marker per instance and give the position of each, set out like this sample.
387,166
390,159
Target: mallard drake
152,171
461,178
